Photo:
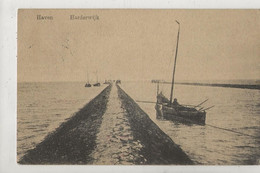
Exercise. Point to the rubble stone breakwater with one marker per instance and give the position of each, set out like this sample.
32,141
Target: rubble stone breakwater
74,140
111,129
158,148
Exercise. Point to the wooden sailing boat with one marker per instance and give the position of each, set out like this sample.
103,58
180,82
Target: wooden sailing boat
87,84
97,83
172,110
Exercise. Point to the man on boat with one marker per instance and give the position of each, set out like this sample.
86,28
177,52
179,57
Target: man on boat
175,103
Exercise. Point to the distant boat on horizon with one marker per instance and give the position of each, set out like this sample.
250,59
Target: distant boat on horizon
97,84
87,84
107,82
118,81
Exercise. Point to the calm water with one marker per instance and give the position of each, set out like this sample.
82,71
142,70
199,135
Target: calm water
42,107
235,109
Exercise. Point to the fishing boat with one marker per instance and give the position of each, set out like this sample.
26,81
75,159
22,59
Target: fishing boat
88,84
174,111
170,109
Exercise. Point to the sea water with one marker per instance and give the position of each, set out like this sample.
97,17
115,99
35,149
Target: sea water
42,107
213,144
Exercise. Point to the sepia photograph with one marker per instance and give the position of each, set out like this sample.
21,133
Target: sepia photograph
138,87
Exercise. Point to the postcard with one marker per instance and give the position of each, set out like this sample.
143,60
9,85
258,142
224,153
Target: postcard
138,87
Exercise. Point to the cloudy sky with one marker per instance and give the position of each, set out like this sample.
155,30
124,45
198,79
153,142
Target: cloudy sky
138,45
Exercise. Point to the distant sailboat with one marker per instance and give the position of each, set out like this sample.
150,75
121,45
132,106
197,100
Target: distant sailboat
172,110
97,83
107,82
118,81
87,84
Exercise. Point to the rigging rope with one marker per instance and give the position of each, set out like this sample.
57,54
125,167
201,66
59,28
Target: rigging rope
230,130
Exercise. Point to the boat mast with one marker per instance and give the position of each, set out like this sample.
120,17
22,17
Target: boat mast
173,73
97,75
87,76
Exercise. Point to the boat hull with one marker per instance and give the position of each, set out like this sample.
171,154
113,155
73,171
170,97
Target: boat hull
97,84
172,113
88,85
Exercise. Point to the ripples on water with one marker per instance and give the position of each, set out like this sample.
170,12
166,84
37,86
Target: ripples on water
235,109
42,107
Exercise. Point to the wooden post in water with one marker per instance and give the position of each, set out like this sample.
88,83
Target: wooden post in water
173,73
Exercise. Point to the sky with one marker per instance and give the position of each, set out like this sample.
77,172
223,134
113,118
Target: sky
138,45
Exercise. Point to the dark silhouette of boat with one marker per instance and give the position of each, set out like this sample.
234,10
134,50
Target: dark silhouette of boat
96,84
88,84
172,110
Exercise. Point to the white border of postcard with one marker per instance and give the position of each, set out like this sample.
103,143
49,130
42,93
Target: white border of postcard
8,78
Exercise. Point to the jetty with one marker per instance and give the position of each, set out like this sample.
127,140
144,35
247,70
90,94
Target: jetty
241,86
110,130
